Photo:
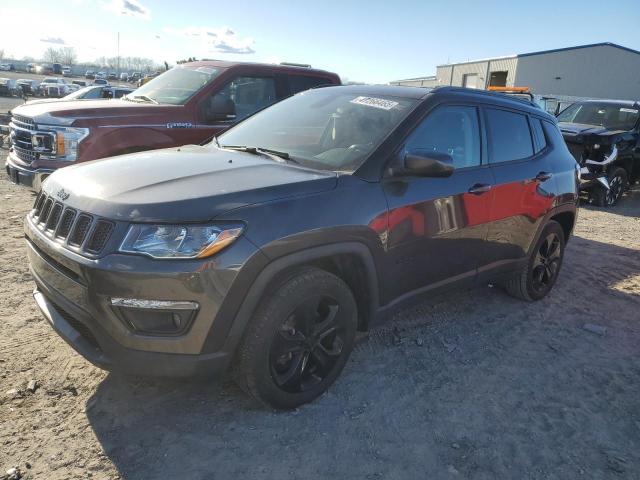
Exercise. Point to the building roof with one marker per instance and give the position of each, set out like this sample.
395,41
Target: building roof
543,52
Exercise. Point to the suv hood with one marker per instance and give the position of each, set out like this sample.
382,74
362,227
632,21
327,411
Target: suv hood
72,112
570,130
186,184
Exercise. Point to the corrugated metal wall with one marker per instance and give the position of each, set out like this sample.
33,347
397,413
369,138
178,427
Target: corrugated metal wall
600,71
597,72
443,74
460,70
508,65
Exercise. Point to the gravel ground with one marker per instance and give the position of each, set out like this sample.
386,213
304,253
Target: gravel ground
471,385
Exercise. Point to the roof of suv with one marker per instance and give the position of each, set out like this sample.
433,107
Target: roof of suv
289,67
498,99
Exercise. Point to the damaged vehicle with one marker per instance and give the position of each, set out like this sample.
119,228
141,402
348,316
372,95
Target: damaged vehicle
604,138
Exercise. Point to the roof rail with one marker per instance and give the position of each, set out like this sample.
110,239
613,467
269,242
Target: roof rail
292,64
502,94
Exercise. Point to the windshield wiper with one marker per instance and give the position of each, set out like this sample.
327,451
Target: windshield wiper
257,150
146,99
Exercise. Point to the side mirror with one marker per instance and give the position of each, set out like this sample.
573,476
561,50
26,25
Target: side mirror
431,164
221,109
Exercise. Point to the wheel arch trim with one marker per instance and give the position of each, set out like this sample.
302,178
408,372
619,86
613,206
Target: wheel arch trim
298,258
564,208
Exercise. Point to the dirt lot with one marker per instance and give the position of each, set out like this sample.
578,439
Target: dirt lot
472,385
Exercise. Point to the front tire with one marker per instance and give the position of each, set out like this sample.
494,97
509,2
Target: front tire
298,341
539,276
618,180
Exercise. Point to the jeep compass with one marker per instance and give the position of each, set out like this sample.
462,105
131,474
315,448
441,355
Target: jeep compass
264,251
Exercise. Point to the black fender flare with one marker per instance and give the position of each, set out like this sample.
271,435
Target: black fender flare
274,268
563,208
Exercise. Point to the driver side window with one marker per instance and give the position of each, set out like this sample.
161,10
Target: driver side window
453,130
238,99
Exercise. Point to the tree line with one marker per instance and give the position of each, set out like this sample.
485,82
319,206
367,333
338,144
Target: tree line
67,56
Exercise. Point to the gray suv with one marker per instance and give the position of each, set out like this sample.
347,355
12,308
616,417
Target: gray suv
268,248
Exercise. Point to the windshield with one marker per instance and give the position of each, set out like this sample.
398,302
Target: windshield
86,92
177,85
328,129
610,115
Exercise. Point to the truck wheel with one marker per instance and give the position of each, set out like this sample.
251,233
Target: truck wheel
298,341
539,275
617,183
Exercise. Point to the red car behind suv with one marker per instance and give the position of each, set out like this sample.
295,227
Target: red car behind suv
185,105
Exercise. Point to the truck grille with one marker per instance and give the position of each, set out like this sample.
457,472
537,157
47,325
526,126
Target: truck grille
25,155
81,230
21,128
23,122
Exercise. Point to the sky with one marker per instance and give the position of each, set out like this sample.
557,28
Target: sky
362,40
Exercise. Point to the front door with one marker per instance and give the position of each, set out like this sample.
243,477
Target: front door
235,101
437,226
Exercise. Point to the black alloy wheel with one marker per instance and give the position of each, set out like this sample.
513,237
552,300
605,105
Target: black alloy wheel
308,344
546,263
616,188
535,280
298,340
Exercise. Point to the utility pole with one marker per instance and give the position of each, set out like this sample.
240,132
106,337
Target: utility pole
118,67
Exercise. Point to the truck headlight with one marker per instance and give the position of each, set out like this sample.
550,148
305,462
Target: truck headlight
67,141
179,241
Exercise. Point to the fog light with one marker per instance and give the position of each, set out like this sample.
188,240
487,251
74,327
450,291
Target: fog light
155,317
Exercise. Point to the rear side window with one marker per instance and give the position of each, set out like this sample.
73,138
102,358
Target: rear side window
299,83
538,134
509,136
453,130
554,135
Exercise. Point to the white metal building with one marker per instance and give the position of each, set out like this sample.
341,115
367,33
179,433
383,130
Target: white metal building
600,70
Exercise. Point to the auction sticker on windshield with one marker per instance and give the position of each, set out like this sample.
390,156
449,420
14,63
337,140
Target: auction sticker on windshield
375,102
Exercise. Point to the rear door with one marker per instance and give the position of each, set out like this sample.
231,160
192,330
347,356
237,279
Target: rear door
523,185
437,226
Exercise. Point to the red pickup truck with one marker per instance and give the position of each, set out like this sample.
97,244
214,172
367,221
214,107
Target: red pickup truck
187,104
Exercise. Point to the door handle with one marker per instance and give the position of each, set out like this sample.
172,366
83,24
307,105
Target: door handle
543,176
480,188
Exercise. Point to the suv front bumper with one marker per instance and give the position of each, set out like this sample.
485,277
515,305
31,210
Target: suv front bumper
75,295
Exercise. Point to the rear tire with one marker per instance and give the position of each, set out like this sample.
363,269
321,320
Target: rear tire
298,340
618,181
539,275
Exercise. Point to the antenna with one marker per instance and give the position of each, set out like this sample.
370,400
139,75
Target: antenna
118,66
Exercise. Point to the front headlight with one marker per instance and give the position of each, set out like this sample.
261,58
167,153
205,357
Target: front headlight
179,241
67,141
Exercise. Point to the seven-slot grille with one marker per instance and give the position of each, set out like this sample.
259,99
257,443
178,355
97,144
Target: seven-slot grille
77,229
